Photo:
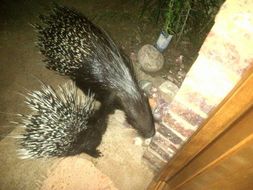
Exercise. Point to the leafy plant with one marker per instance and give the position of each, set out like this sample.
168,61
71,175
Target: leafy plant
184,18
174,16
202,19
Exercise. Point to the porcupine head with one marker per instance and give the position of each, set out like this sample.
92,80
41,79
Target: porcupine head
141,117
138,113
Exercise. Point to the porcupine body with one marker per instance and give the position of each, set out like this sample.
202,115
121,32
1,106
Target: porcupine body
75,47
63,123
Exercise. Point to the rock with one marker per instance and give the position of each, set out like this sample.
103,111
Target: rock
147,142
182,74
182,66
179,60
145,85
150,59
133,57
138,141
168,90
152,103
170,78
155,95
154,89
157,115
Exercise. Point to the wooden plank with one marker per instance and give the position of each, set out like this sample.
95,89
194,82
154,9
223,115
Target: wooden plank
160,185
236,138
232,170
236,103
233,173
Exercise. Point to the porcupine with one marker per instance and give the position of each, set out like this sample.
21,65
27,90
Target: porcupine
73,46
63,124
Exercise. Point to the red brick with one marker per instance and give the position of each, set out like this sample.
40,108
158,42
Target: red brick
225,53
168,120
163,142
195,99
169,134
155,147
186,113
155,162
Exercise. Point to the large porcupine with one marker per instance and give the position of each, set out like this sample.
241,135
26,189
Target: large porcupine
75,47
63,124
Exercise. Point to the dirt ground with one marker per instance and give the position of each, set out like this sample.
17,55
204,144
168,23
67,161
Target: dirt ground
20,68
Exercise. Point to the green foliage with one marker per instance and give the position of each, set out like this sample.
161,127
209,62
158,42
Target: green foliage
202,18
184,18
174,15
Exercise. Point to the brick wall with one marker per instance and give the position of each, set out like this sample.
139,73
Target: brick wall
223,58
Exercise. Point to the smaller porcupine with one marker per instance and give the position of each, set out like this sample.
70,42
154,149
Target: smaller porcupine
73,46
64,123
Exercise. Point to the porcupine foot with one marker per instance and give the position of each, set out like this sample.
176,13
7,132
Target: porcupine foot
94,153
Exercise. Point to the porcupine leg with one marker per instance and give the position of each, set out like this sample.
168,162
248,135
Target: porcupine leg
95,138
88,141
92,137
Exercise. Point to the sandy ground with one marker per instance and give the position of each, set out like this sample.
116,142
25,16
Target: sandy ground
21,65
121,166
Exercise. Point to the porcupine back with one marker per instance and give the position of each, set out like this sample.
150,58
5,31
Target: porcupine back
60,124
75,47
66,39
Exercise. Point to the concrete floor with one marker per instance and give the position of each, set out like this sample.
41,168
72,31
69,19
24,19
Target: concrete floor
21,64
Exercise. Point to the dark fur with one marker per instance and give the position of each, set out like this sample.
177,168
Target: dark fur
88,140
